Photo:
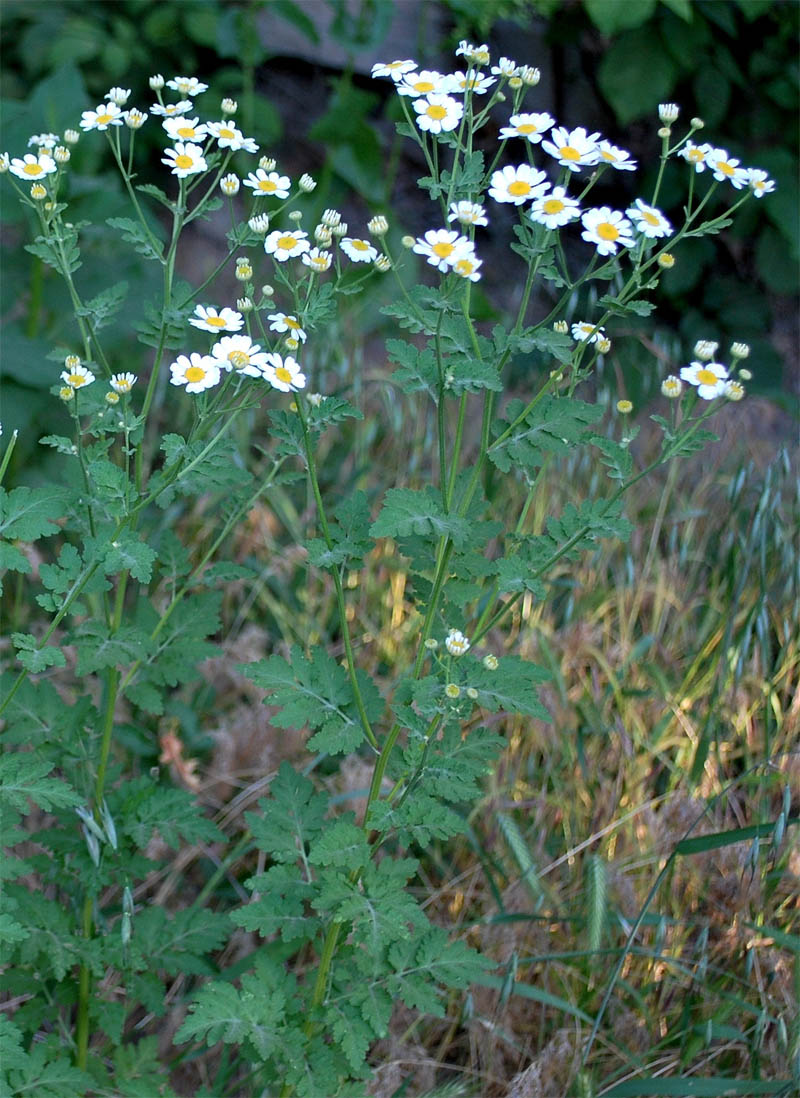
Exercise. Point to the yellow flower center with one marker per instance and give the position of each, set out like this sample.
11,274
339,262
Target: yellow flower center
215,321
360,245
465,266
239,359
76,380
186,131
290,322
569,152
287,242
284,375
527,127
226,133
606,231
696,155
707,377
553,206
123,386
608,156
104,119
519,188
436,112
423,86
195,373
266,185
443,249
33,169
183,161
725,167
650,218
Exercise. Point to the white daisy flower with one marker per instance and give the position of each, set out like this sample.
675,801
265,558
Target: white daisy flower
724,167
259,223
268,183
119,96
672,387
505,67
648,220
46,141
759,182
584,331
77,377
438,113
182,128
283,374
468,213
359,251
462,82
285,244
709,377
421,83
573,149
733,390
185,159
197,372
395,69
468,266
555,209
285,322
122,383
443,247
33,167
239,353
231,137
517,185
378,225
186,85
456,643
620,159
607,229
530,126
134,119
172,110
103,116
695,155
317,260
479,55
208,319
229,184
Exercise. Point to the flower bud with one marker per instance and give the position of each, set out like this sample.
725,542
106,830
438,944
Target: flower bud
530,76
698,124
604,345
119,96
267,163
65,393
259,223
664,131
513,82
666,260
296,216
156,82
38,192
745,375
229,106
490,662
733,390
561,327
378,225
244,304
134,119
229,184
624,407
306,183
5,163
452,690
71,362
740,350
322,235
382,263
72,137
408,241
340,229
330,218
315,399
668,112
431,644
672,387
112,397
472,693
61,154
705,349
244,271
267,290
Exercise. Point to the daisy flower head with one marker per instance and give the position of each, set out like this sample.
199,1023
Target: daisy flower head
555,209
239,353
724,167
438,113
283,245
573,149
38,192
172,110
268,183
530,75
378,225
228,106
468,266
607,229
196,372
134,119
122,383
672,387
359,251
307,183
456,643
285,322
442,247
182,128
208,319
421,83
759,182
317,260
467,213
119,96
46,141
259,224
695,155
733,390
229,136
620,159
478,55
452,690
585,331
77,377
33,167
505,67
185,159
383,263
708,377
649,221
229,184
517,185
283,374
532,127
393,69
186,85
103,116
476,82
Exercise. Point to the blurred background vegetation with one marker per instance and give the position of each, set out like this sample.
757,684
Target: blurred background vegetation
300,71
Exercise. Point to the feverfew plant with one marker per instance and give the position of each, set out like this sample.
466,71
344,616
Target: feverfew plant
123,613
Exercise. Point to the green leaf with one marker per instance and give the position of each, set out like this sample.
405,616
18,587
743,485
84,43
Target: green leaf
553,425
341,843
291,818
282,906
408,511
349,534
126,553
30,513
104,305
146,809
98,647
616,457
23,777
34,658
377,906
636,74
511,687
428,962
177,942
612,16
252,1016
56,1079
